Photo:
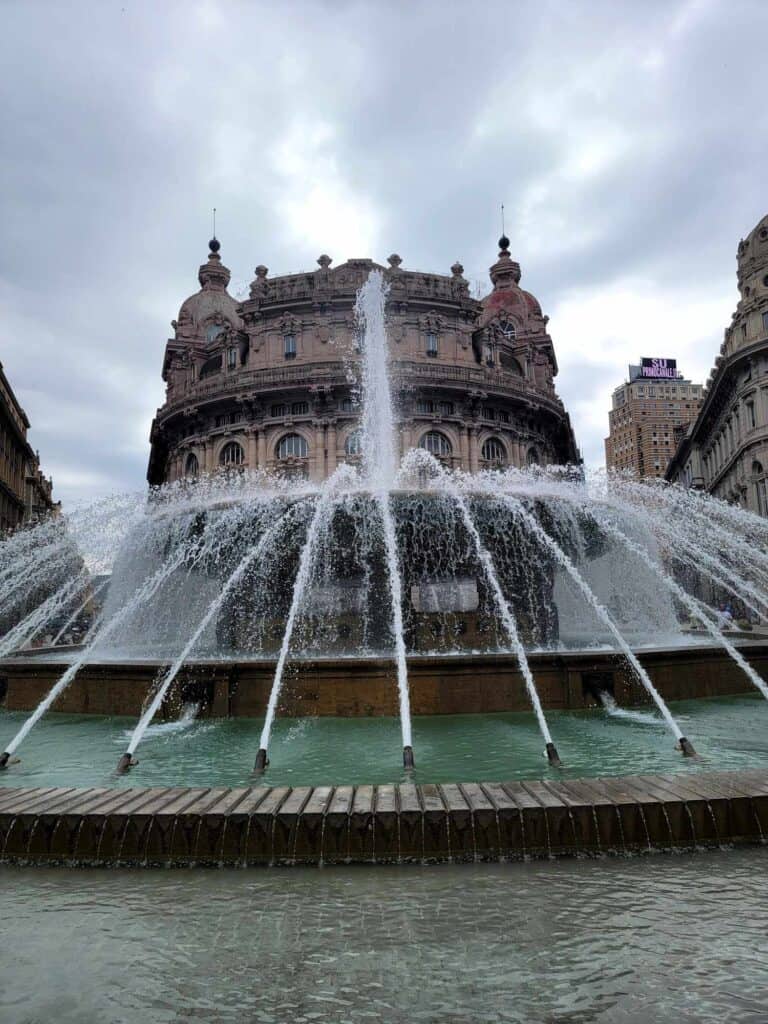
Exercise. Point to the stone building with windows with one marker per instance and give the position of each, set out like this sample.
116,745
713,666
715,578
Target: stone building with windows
271,382
647,411
725,451
25,494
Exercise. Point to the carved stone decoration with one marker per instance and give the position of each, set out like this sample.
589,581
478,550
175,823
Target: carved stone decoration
431,321
289,324
259,287
459,286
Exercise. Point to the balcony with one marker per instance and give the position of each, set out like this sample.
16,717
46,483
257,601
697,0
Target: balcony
490,379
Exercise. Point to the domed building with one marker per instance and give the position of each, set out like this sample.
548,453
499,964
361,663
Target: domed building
271,383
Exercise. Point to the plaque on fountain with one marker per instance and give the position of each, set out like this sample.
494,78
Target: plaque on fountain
457,594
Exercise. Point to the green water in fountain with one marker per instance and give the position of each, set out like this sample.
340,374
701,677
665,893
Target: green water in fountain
80,750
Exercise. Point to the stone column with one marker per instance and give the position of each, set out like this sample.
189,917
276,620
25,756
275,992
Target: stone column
517,453
251,454
317,455
208,449
474,454
406,437
464,447
330,444
261,446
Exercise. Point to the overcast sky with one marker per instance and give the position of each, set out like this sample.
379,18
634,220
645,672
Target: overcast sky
628,142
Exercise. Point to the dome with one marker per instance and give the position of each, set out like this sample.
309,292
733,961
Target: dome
507,295
213,301
752,253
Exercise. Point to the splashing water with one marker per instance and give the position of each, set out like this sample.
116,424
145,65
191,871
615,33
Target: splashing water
371,562
613,709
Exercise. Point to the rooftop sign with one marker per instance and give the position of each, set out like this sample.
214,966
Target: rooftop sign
656,369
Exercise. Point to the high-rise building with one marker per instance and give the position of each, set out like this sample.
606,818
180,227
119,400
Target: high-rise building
647,410
725,451
271,382
25,494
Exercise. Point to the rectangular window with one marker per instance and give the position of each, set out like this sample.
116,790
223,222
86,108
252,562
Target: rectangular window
431,343
289,346
231,358
751,415
765,321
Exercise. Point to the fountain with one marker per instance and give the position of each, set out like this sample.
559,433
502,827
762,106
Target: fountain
394,587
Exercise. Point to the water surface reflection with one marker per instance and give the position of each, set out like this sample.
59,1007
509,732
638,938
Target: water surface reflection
658,938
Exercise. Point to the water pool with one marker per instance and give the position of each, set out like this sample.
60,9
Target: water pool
72,750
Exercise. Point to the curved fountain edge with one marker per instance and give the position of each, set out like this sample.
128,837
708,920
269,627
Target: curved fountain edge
385,824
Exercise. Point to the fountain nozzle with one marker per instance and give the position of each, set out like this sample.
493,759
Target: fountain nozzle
4,759
261,760
687,747
408,762
125,763
553,757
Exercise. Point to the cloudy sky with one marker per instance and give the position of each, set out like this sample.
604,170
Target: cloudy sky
628,141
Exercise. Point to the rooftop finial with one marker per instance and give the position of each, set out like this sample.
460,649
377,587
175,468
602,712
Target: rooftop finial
503,241
214,245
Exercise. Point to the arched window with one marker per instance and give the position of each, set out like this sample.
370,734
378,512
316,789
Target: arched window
292,446
437,443
354,444
213,331
191,466
232,454
494,452
300,408
533,457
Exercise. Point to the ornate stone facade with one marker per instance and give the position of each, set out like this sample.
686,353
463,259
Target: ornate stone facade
271,383
726,450
25,494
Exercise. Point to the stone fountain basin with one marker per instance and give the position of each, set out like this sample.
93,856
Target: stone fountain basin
382,824
356,686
